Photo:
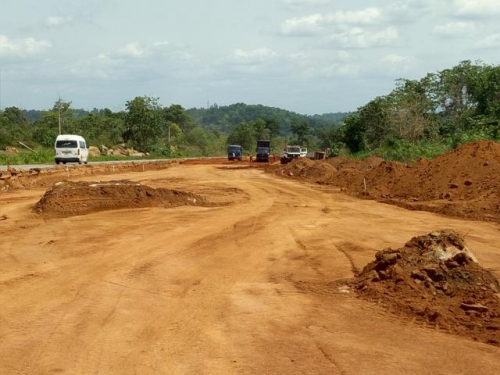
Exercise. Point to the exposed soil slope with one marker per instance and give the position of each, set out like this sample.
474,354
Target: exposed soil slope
464,182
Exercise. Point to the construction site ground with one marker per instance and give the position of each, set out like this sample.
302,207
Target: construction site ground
218,267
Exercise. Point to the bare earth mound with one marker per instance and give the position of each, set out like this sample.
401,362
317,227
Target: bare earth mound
436,280
78,198
464,182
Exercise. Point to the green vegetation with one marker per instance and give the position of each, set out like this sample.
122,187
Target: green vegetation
418,119
426,117
161,132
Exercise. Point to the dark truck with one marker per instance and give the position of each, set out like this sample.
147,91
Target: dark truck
234,152
263,151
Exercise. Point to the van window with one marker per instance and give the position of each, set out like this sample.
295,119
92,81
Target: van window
82,144
67,144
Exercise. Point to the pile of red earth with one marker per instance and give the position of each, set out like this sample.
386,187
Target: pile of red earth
435,279
66,198
464,182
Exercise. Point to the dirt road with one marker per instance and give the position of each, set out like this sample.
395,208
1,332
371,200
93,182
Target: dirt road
242,288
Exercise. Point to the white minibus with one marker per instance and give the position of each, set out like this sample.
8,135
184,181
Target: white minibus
71,148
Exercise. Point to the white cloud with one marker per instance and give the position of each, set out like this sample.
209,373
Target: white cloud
134,59
366,16
22,47
359,38
334,70
454,29
253,57
489,42
410,11
477,8
160,49
305,2
315,23
308,25
131,50
396,59
56,21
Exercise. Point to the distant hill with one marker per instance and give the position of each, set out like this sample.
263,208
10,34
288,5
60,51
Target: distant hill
225,118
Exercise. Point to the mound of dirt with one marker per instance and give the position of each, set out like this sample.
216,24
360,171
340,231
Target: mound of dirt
361,165
436,280
66,198
464,182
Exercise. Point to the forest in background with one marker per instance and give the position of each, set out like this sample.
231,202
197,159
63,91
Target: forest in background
419,118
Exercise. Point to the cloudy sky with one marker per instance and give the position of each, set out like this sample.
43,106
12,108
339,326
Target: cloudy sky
307,56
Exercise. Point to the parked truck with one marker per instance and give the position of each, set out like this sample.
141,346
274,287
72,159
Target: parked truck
263,151
234,152
289,153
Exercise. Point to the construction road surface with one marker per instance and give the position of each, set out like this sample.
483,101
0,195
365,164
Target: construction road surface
249,285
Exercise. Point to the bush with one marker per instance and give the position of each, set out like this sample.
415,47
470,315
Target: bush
39,156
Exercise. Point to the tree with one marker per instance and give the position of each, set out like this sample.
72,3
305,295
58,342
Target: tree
411,110
487,93
375,119
143,122
353,133
302,130
46,129
455,93
13,126
176,114
260,129
64,113
243,135
207,142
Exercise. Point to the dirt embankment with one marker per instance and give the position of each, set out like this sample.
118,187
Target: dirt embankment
436,280
463,183
67,198
13,178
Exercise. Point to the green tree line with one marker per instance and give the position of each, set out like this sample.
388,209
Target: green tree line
418,118
427,116
165,131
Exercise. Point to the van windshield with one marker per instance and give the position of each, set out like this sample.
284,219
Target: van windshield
66,144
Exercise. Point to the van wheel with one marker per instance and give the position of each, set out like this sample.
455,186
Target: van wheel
64,162
57,161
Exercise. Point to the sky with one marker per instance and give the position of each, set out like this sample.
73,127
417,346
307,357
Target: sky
306,56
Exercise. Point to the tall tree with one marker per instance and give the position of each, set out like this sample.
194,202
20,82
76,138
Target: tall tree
375,119
243,135
302,130
64,115
176,114
455,90
411,110
143,122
